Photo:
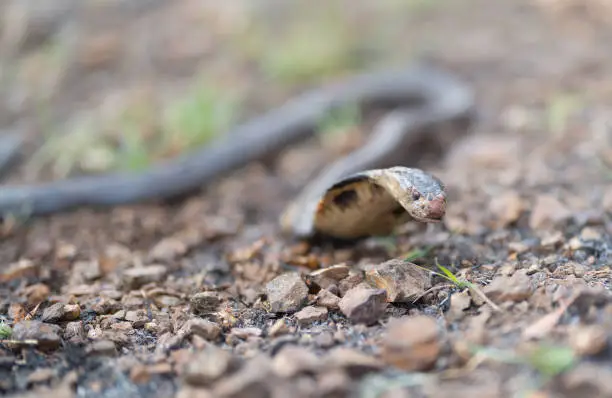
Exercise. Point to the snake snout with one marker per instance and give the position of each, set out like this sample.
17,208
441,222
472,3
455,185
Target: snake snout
436,208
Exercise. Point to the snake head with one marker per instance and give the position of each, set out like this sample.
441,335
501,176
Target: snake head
421,194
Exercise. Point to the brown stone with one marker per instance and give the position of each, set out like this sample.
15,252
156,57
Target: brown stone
310,314
510,288
208,366
402,280
139,276
364,305
412,343
286,292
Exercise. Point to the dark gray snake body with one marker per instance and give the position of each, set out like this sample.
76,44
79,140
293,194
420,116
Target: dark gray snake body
426,96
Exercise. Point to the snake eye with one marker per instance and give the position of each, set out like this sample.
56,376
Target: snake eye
416,196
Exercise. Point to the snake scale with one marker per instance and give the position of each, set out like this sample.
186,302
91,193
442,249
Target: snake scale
367,192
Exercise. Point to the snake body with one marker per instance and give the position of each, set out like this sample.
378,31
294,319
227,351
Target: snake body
427,97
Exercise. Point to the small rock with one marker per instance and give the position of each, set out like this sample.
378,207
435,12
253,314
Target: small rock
102,348
122,326
310,314
41,375
286,292
201,327
46,335
590,233
325,339
552,240
168,249
412,343
53,313
208,366
402,280
606,202
334,383
354,362
139,276
589,340
510,288
187,391
105,306
85,271
349,283
37,293
279,328
327,299
364,305
138,318
21,269
587,380
71,312
245,333
292,360
506,208
459,302
65,251
329,276
547,212
252,380
74,331
204,303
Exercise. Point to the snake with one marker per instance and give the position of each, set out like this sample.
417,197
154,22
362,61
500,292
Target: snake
368,192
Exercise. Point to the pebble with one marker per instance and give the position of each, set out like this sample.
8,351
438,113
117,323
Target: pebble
325,339
349,282
286,292
412,343
293,360
354,362
589,340
334,383
53,314
327,299
507,208
20,269
138,318
252,380
104,306
37,293
168,249
102,348
364,305
459,302
547,212
510,288
329,276
41,375
310,314
192,392
74,332
139,276
403,281
208,366
46,335
279,328
606,202
204,303
587,379
201,327
245,333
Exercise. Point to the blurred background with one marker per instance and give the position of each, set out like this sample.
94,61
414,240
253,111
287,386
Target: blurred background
97,85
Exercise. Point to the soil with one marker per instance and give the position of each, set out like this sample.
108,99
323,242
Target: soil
205,298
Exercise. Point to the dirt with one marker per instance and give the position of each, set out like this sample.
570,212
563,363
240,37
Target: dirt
205,298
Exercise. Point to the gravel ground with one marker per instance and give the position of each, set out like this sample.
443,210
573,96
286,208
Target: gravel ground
204,298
